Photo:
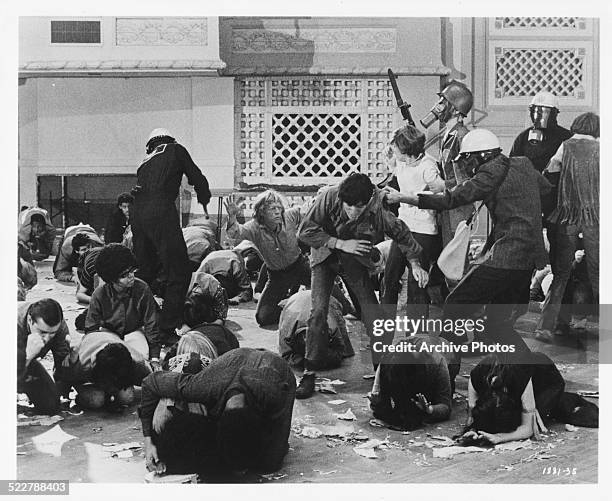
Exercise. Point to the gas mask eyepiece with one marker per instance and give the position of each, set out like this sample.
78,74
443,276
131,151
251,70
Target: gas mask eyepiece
440,111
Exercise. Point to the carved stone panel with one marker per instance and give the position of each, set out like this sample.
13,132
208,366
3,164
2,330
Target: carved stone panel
321,40
174,31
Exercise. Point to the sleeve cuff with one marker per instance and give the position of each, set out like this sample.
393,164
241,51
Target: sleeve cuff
331,243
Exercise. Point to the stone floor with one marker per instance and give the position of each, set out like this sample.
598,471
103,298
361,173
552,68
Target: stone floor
561,457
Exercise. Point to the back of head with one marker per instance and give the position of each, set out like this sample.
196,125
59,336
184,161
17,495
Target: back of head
403,380
125,198
197,309
48,310
356,189
587,123
38,218
239,437
79,240
113,369
409,140
187,444
113,260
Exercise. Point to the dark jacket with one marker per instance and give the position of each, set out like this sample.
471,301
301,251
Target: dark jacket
262,376
327,221
161,172
516,240
58,345
115,227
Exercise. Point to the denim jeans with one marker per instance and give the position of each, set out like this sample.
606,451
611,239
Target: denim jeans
358,281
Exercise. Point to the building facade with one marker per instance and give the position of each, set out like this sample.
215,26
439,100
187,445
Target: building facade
294,102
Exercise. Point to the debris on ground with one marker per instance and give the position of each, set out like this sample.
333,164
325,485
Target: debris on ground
51,441
152,477
23,420
570,427
121,451
588,393
273,476
369,376
325,387
377,423
449,452
514,445
336,402
442,440
347,416
310,432
325,472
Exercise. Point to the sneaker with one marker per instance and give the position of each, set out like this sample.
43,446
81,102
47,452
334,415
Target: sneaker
544,335
306,387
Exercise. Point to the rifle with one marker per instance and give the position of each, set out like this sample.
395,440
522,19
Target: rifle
403,106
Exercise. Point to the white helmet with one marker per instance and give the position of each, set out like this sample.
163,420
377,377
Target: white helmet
479,140
158,133
545,98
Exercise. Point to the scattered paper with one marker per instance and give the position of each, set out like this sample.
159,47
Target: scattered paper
339,430
366,453
51,441
361,437
337,382
325,472
74,413
505,467
275,476
115,448
369,376
371,444
325,387
123,454
570,427
377,423
448,452
587,393
514,445
24,420
347,416
311,432
336,402
153,478
441,440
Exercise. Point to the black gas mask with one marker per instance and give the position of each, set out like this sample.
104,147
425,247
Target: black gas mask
542,118
472,160
442,110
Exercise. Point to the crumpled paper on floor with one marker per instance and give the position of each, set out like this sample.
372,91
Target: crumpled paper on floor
121,450
571,427
336,402
588,393
339,430
367,449
311,432
51,441
449,452
152,477
23,420
347,416
514,445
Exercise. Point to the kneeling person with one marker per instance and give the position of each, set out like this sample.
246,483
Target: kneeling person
124,305
293,326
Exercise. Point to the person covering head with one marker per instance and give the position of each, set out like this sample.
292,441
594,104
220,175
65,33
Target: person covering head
80,240
113,369
113,260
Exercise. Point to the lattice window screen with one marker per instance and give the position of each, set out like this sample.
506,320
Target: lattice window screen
315,129
312,145
540,22
524,72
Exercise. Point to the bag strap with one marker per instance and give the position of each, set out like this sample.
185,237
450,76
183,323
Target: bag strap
490,197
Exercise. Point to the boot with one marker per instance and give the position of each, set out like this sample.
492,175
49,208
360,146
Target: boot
306,387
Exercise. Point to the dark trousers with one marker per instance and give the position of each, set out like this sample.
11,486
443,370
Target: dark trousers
357,280
158,240
567,240
40,389
280,285
418,298
500,290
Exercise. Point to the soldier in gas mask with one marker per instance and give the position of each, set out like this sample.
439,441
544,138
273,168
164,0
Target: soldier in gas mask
455,103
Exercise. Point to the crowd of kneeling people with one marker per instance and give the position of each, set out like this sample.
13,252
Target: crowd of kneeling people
208,404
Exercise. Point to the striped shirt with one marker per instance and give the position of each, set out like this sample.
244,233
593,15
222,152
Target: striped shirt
86,270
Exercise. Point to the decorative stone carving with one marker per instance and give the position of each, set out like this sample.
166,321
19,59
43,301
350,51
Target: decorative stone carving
176,31
306,40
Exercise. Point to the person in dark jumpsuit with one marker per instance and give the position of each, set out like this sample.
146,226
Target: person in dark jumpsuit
156,229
